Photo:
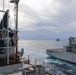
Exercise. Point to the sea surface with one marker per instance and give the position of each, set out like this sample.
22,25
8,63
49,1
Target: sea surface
36,49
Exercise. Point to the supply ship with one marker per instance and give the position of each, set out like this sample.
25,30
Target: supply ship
67,53
9,54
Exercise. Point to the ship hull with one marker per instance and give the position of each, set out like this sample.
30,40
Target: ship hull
67,56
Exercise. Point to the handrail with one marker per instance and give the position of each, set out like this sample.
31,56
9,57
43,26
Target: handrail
10,30
2,11
8,47
9,38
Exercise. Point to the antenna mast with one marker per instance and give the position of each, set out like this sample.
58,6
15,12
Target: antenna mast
16,25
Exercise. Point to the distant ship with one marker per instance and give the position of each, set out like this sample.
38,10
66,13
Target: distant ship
57,39
67,53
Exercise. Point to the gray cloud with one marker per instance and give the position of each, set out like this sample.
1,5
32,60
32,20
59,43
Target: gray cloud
50,20
60,25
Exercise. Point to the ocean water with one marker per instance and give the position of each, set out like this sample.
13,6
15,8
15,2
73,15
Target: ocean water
36,49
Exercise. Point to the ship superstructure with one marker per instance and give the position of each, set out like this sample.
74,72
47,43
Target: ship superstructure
67,53
9,55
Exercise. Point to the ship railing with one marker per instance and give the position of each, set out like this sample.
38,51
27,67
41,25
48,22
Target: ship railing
9,30
10,44
9,38
5,32
54,69
2,11
55,50
8,47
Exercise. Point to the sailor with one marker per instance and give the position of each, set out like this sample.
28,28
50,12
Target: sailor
4,33
11,34
14,37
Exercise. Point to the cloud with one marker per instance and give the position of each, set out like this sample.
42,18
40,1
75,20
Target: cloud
58,19
47,19
39,11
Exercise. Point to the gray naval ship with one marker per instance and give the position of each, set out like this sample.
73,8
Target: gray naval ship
67,53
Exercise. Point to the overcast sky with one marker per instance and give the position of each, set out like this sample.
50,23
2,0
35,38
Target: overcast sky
46,19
